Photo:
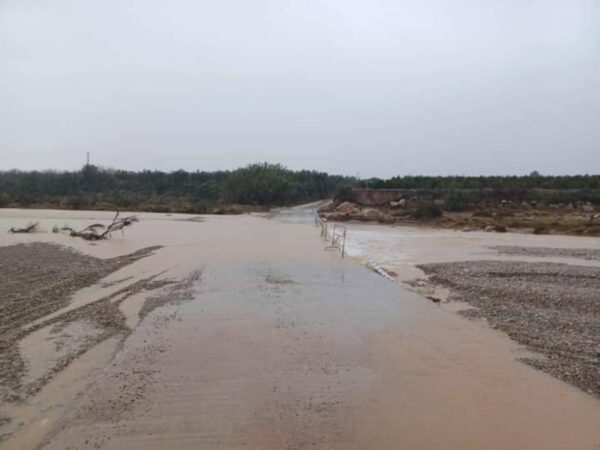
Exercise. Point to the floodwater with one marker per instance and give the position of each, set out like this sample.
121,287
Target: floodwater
287,346
401,248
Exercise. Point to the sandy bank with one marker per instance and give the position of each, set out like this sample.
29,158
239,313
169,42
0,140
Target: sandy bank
553,309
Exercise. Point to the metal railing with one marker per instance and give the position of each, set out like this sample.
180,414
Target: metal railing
338,242
338,235
338,239
322,224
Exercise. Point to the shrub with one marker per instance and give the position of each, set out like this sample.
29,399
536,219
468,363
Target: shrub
4,199
482,213
427,210
344,194
456,201
258,184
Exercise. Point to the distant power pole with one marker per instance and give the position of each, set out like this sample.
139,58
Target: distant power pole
87,159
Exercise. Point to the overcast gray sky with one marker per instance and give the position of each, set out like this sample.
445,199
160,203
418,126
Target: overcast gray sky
376,87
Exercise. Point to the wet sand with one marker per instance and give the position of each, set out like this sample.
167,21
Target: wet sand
37,281
283,345
553,309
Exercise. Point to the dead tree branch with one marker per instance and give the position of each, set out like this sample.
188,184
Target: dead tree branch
31,228
99,231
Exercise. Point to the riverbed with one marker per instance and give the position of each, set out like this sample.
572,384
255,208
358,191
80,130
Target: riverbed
271,342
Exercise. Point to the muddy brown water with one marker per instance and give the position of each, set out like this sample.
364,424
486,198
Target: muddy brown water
286,346
400,248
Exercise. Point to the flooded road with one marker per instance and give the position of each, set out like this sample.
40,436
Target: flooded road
282,345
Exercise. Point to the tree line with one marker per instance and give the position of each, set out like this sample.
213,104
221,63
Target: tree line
532,181
93,187
458,192
256,185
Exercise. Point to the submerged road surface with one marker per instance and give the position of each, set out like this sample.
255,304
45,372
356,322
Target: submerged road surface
283,345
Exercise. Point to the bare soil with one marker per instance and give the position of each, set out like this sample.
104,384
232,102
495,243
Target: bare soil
553,309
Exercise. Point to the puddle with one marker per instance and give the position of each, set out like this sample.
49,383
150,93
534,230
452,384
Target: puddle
131,307
43,349
32,420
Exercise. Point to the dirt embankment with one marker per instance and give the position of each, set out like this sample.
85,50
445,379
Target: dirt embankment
553,309
582,218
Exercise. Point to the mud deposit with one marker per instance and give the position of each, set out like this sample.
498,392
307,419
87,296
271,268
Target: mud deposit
552,308
36,280
39,334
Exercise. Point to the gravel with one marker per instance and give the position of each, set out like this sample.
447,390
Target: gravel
580,253
38,279
553,309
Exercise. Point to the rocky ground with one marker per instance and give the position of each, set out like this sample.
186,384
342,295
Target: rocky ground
580,253
553,309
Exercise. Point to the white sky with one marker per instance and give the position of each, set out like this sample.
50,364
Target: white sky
375,87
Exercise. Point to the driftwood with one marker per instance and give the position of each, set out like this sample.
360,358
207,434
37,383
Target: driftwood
98,231
31,228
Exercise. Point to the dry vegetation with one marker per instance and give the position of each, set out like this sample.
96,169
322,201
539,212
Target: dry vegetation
580,218
31,228
98,231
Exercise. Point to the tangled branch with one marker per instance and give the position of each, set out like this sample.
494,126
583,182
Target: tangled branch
98,231
31,228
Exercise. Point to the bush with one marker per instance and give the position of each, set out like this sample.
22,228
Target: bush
4,199
482,213
456,201
344,193
258,184
427,210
